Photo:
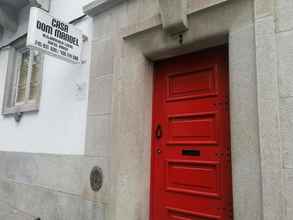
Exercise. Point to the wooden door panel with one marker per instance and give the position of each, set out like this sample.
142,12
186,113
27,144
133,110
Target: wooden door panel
197,128
194,84
177,214
193,177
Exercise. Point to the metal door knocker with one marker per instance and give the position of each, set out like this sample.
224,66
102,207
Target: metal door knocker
96,179
159,131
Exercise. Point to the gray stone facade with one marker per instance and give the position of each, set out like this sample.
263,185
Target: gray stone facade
128,38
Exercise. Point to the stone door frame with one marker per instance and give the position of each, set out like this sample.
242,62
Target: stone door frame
232,23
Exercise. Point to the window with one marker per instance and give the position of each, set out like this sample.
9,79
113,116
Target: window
23,79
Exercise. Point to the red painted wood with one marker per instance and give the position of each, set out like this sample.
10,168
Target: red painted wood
191,105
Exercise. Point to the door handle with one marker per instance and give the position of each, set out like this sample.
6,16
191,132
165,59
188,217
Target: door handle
188,152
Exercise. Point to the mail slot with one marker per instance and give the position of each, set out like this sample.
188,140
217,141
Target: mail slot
189,152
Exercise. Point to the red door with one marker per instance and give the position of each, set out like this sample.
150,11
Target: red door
191,163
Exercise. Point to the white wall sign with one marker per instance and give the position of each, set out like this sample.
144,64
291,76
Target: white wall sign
54,37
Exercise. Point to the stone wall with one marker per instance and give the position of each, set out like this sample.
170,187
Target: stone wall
284,36
50,187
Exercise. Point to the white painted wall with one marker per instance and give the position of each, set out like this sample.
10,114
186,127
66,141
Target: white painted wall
60,125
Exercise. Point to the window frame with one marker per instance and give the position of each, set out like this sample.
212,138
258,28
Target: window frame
10,105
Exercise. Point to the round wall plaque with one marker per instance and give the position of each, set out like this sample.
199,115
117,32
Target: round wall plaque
96,179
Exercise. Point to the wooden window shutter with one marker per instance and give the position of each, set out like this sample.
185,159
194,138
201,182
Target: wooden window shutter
23,72
35,81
